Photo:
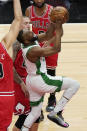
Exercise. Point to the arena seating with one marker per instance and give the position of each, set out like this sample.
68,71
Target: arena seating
78,10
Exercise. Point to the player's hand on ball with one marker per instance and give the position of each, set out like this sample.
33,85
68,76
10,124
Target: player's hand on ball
59,14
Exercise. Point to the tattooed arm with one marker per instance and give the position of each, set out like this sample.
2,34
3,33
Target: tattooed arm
16,47
17,78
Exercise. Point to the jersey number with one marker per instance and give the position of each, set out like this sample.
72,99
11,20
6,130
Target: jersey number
1,70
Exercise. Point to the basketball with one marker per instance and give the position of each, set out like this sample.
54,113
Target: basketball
59,13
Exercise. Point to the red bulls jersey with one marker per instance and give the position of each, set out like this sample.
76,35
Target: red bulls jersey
19,64
6,73
40,23
22,105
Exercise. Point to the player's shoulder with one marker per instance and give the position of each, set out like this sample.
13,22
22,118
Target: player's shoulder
50,6
16,45
28,10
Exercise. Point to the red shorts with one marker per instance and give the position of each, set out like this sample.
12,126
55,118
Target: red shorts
51,61
3,129
6,111
22,104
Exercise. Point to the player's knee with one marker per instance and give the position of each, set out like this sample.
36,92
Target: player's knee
76,85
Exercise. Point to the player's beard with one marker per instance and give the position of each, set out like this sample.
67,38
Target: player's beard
35,4
39,6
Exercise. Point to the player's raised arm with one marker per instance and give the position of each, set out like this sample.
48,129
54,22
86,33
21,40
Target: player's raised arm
14,29
48,34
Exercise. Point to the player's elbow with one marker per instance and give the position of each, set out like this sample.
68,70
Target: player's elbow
57,49
18,21
19,18
49,36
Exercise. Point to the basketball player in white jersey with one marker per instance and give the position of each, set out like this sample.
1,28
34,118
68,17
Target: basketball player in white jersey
39,16
22,103
39,82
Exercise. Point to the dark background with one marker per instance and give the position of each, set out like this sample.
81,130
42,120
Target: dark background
78,10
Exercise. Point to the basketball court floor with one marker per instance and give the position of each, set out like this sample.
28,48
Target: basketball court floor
72,63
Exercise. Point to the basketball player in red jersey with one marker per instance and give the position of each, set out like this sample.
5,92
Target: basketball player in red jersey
6,70
39,15
22,104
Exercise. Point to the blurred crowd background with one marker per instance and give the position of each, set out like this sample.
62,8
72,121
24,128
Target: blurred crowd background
77,9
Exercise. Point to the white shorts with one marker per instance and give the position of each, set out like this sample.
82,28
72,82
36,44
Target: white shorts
38,85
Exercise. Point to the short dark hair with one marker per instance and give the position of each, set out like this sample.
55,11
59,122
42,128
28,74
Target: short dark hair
20,37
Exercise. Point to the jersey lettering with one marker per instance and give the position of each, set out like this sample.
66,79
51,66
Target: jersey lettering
38,24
